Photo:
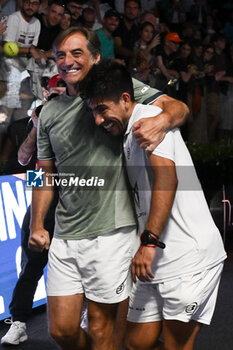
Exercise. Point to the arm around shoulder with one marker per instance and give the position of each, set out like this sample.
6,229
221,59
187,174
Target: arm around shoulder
174,112
149,132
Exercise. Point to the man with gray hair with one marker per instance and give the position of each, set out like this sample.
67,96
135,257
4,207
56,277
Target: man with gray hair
95,228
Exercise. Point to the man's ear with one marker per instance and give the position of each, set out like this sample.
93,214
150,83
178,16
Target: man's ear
97,58
126,97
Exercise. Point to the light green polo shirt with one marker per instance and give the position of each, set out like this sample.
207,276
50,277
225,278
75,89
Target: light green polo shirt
68,133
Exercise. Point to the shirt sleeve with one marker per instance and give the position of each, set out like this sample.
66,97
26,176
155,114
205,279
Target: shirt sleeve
11,34
144,93
166,148
37,33
44,148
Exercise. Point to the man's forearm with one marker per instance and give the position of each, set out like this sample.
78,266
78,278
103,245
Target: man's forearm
121,50
174,113
42,197
163,193
41,200
27,148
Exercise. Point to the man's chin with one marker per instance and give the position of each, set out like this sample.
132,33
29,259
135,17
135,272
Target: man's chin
116,133
72,80
29,14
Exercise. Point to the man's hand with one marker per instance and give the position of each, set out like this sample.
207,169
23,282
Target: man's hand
39,240
141,264
38,55
3,25
149,132
154,42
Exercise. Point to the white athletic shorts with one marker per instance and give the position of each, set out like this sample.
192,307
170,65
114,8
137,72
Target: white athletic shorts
98,267
185,298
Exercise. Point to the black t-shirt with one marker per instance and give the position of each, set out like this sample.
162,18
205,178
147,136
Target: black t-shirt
168,60
47,35
180,64
128,37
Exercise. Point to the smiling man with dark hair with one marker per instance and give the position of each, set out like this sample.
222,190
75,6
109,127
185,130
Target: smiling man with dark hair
110,23
50,28
176,254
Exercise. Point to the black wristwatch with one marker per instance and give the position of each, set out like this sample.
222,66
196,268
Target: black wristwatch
149,238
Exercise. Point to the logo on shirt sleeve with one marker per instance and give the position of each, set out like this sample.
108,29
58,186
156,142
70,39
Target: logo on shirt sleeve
144,89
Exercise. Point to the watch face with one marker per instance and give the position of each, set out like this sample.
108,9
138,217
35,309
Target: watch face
146,238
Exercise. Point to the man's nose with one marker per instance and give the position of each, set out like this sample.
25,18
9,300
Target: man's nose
68,59
98,119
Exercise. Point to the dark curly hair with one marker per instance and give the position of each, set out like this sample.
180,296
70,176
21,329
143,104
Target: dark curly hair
106,80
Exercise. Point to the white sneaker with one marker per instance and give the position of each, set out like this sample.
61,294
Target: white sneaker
16,334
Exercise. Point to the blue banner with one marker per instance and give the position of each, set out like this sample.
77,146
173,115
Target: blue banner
14,200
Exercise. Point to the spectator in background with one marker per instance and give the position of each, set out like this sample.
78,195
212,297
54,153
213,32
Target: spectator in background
88,19
148,16
226,122
23,28
154,19
208,29
181,24
43,6
149,5
110,23
75,7
7,7
100,7
198,121
49,28
163,7
65,20
185,69
127,32
212,93
198,12
144,63
119,6
44,63
219,42
197,57
172,14
165,58
197,35
188,31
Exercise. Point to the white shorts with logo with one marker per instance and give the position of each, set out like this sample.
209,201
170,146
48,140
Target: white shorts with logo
185,298
98,267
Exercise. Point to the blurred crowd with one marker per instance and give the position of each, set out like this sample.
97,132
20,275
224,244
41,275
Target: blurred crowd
181,47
